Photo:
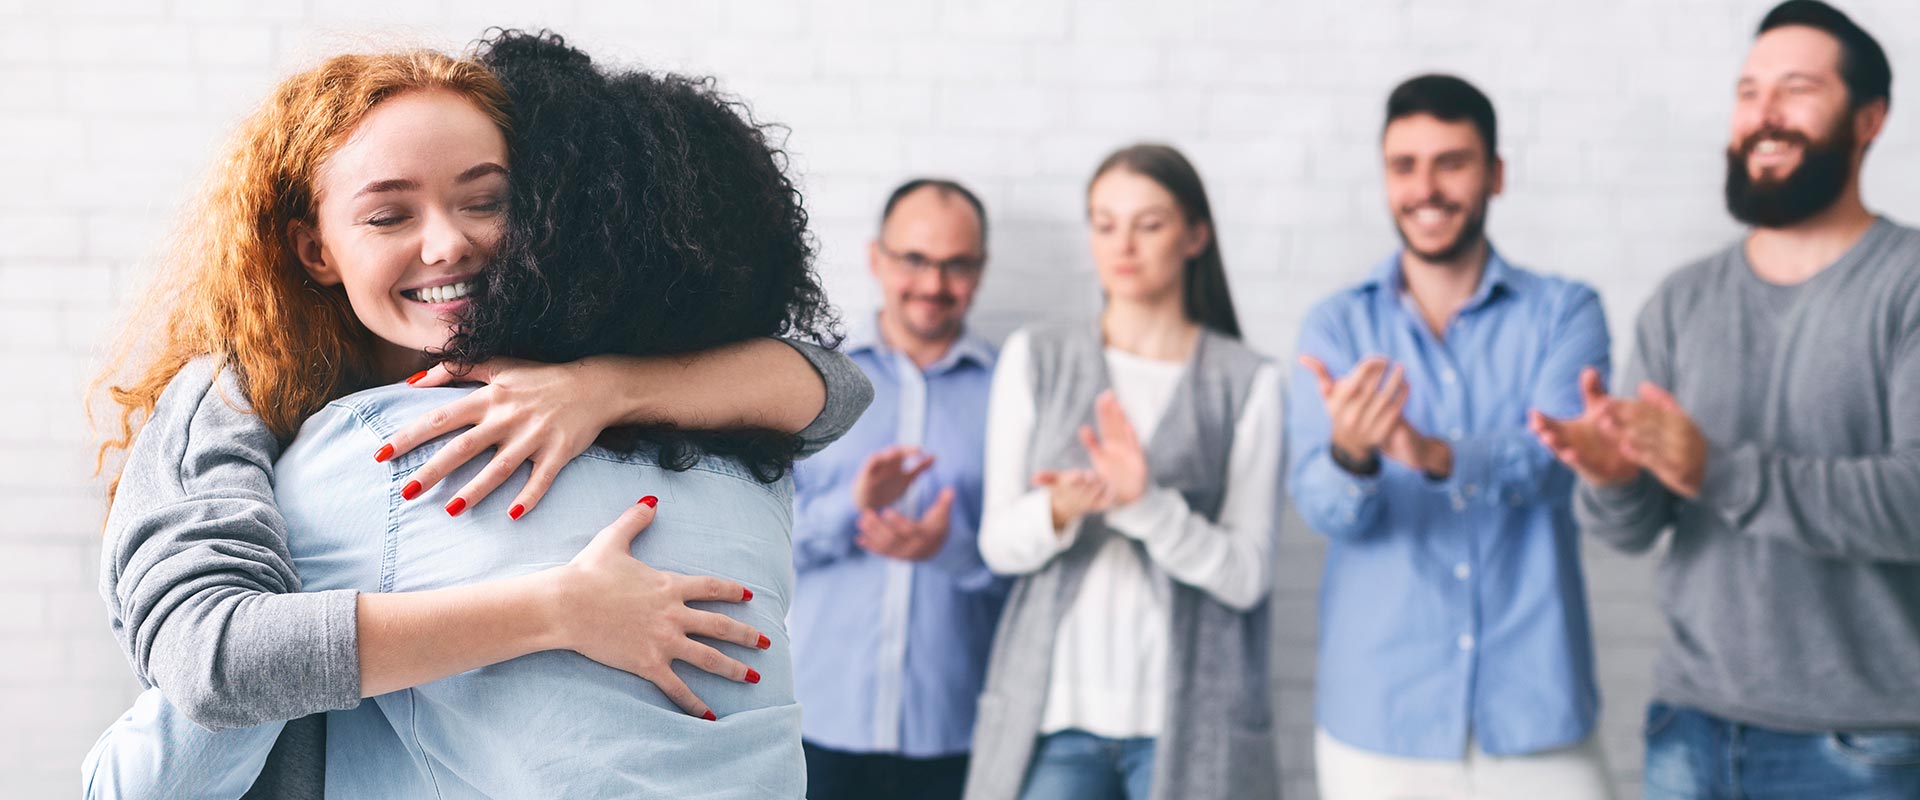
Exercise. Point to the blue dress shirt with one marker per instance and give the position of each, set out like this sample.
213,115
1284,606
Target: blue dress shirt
1453,609
890,655
550,724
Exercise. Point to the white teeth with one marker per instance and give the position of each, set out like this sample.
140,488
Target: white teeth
443,294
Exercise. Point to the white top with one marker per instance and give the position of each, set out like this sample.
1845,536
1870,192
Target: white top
1110,658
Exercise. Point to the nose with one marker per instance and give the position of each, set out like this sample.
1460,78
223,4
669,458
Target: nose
444,241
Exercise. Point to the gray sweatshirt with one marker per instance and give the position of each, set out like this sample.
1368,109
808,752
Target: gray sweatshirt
1791,586
200,586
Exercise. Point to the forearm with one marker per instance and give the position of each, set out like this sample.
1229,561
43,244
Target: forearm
1860,508
411,638
760,383
1629,516
1228,561
1018,536
1509,468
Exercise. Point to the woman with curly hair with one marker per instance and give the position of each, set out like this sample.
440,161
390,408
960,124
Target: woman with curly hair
641,220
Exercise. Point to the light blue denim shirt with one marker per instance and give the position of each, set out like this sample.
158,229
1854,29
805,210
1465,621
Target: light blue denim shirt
552,724
1453,608
890,655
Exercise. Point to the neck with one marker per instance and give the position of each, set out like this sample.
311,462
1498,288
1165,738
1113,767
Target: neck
921,350
396,363
1157,330
1794,253
1439,288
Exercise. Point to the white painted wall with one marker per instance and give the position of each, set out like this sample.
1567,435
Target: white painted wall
1612,114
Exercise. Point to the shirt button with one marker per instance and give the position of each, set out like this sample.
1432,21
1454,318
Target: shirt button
1470,489
1456,433
1459,503
1462,571
1447,377
1466,641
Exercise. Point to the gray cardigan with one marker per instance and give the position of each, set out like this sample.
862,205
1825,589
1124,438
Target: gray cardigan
200,587
1217,740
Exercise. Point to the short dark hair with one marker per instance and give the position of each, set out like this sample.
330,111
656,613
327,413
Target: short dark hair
1863,65
944,186
1447,98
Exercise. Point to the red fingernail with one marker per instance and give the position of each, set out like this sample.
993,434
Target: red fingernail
385,452
516,511
753,675
458,505
709,716
765,642
416,377
650,501
410,491
746,594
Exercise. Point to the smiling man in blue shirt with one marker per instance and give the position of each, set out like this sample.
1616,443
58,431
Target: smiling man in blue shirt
894,609
1456,657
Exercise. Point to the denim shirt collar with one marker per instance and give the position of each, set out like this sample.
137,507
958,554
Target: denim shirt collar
1498,276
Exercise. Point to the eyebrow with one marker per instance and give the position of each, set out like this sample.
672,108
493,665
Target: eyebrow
472,174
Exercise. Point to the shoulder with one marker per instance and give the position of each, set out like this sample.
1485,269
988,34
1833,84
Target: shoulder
205,406
1335,315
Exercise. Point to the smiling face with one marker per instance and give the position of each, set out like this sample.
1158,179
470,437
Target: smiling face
1141,240
1439,180
408,211
1796,138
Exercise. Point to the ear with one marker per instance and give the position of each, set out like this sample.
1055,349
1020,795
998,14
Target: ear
874,257
312,253
1867,122
1497,180
1199,235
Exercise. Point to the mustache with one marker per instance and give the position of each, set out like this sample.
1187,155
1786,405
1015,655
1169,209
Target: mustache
1753,140
1435,201
943,298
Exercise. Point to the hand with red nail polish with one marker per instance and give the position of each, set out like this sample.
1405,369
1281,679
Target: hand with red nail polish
620,612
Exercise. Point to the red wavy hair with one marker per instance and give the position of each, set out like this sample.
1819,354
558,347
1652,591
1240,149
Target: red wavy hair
234,288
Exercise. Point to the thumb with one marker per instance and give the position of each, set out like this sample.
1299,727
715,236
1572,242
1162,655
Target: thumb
1652,393
1592,389
1046,477
1320,373
618,537
941,509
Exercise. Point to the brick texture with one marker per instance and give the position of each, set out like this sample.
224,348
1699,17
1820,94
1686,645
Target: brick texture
1613,118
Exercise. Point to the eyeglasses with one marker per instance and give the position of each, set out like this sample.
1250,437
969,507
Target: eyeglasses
956,267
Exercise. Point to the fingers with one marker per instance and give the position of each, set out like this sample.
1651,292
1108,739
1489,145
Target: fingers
436,375
1592,390
618,537
941,509
1384,404
496,472
925,464
707,659
462,449
545,469
703,587
1362,381
722,628
460,413
1320,374
1046,477
1658,397
677,691
1114,426
878,535
1089,440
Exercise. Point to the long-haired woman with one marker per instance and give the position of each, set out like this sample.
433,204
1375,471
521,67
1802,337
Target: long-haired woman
1132,478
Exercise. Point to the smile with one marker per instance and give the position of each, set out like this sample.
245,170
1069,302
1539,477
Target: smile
439,294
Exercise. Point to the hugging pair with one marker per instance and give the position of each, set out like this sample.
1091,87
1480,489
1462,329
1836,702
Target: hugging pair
294,528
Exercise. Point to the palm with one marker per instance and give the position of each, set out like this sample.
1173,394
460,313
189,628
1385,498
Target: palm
1116,453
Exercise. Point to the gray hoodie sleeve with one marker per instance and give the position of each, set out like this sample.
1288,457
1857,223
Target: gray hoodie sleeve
848,395
199,584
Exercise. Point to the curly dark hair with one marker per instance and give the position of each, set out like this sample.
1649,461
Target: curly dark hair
649,214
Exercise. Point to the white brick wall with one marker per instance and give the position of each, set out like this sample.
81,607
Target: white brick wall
1613,116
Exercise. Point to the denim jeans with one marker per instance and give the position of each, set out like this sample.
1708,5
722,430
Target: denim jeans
1076,765
1692,755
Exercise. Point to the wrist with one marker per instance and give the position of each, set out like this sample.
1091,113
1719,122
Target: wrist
548,598
1365,462
1436,457
627,394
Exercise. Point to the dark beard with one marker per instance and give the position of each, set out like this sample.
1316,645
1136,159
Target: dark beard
1470,236
1812,187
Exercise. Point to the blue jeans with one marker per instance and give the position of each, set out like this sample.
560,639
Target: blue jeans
1692,755
1076,765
